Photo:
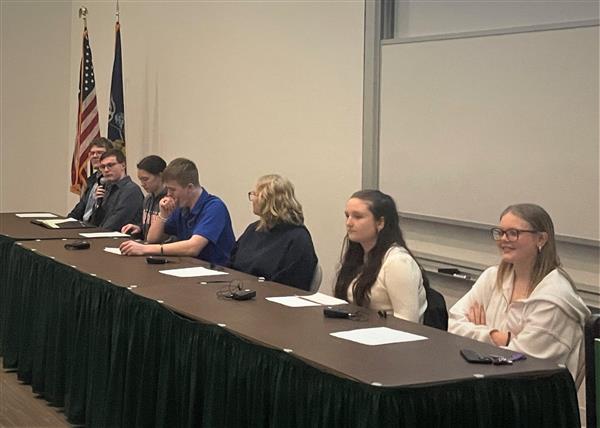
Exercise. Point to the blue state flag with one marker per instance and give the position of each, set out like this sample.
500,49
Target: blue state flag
116,109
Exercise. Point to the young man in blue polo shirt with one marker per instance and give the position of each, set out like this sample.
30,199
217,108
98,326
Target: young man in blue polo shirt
199,220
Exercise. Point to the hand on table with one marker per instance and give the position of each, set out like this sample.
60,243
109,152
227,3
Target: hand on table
131,229
132,248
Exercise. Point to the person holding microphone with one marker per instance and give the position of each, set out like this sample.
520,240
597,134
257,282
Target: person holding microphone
118,198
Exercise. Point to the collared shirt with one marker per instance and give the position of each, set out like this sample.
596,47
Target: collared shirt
91,202
209,218
121,205
88,198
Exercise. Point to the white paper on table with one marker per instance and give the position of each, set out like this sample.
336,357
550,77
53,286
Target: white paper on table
113,250
36,215
104,235
378,336
324,299
292,301
192,272
61,220
54,223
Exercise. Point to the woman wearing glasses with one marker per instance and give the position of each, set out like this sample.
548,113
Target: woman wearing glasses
278,246
528,303
377,269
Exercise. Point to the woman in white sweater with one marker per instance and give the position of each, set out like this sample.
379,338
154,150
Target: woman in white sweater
377,269
528,303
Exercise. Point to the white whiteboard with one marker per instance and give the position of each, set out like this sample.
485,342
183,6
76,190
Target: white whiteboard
416,18
469,126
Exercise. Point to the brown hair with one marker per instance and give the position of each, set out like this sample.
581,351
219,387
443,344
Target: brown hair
118,154
354,265
183,171
102,142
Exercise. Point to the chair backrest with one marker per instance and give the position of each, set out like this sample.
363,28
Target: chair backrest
592,371
317,277
436,314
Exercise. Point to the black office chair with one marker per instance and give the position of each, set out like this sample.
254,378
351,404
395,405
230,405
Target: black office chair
436,314
316,280
592,332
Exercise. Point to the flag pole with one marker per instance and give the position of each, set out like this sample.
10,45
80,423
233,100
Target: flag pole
83,15
77,166
116,107
83,11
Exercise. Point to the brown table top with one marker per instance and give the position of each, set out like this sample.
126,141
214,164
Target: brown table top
23,229
304,331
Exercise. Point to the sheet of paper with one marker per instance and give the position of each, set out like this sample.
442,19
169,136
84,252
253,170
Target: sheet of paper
113,250
378,336
54,223
324,299
292,301
104,235
36,215
192,272
61,220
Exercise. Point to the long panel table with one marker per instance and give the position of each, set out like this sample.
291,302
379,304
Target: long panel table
119,344
21,229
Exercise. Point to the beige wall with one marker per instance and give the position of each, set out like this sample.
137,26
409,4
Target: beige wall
34,116
242,88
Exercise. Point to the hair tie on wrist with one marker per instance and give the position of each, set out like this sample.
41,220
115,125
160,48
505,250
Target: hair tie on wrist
508,339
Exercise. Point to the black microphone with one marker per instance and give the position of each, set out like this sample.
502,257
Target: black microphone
101,181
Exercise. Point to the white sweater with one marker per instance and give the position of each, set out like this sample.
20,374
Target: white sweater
548,324
398,287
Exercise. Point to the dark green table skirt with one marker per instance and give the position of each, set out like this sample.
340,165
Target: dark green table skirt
112,358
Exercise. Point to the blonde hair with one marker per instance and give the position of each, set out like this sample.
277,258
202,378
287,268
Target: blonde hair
276,202
547,259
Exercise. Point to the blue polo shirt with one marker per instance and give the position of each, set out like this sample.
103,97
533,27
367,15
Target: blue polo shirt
209,218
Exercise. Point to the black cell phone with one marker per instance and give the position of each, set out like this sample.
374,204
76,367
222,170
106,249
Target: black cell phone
77,245
246,294
475,357
156,260
330,312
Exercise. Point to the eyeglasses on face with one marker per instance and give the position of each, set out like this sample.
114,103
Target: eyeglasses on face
511,234
251,195
107,165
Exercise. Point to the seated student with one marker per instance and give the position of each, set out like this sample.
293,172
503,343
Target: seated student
85,206
198,219
277,247
149,173
528,303
377,269
118,200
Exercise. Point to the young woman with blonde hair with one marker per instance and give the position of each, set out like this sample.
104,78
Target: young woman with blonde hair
278,246
528,303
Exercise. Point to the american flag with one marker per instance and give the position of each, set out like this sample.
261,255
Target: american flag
87,118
